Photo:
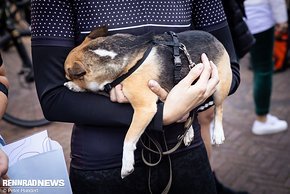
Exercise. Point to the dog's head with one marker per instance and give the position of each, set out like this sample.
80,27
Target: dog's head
100,59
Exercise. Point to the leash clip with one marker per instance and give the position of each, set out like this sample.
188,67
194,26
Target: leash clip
184,49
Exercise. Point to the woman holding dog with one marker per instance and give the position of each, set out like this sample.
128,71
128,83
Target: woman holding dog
100,123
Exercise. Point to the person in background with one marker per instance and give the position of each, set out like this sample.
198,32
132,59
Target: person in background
3,106
100,123
3,89
264,17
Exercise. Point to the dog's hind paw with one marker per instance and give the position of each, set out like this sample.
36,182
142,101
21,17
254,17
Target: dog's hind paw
188,138
218,137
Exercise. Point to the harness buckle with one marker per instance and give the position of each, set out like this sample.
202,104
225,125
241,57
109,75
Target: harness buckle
177,60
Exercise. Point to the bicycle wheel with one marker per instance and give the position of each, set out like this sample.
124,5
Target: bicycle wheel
23,106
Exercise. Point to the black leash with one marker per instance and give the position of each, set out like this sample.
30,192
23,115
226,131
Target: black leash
162,153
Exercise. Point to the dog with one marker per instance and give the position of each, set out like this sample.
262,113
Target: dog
100,59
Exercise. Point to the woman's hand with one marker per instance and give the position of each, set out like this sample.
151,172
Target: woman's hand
184,97
3,163
281,27
162,94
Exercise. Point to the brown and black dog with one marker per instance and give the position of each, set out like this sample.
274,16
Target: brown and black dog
100,59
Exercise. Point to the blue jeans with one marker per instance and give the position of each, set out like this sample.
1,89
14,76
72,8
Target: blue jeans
191,175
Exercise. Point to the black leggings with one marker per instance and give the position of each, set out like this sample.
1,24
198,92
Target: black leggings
191,175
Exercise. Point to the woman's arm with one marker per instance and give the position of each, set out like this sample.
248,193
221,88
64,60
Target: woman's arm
209,16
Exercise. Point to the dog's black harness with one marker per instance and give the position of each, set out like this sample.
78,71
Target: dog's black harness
176,46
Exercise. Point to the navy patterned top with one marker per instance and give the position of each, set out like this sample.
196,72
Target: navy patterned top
99,124
60,22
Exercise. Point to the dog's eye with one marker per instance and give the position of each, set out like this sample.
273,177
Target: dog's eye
76,71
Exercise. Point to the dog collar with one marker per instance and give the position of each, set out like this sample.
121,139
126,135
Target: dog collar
108,87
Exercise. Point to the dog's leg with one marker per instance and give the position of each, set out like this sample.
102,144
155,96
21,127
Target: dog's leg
144,105
223,88
218,133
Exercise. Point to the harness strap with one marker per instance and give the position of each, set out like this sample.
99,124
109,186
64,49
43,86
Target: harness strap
108,87
177,59
176,45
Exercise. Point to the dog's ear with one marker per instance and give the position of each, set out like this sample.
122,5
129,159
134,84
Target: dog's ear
98,32
76,71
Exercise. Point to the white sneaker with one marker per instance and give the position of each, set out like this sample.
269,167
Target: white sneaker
272,125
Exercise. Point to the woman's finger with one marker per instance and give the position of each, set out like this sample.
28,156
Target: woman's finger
205,75
158,90
117,95
193,74
113,96
213,81
121,98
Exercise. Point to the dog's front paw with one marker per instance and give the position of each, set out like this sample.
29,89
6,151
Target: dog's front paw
127,161
126,170
73,87
188,136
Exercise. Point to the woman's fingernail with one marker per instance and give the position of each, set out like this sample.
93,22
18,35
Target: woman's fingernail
152,83
119,86
204,55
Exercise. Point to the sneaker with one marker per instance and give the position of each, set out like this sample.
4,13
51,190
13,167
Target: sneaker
272,125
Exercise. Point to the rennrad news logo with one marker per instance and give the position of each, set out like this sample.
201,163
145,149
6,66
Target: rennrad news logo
33,183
